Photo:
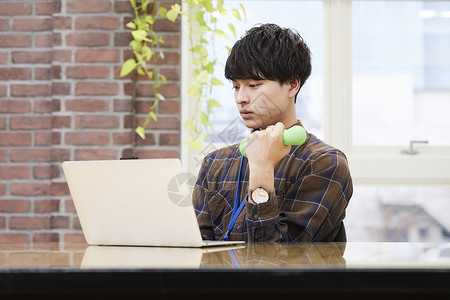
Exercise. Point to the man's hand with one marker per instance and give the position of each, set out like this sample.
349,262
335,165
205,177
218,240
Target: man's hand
265,149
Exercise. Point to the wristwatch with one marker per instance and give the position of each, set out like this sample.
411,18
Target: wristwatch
260,195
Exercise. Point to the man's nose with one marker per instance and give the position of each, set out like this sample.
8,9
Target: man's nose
242,96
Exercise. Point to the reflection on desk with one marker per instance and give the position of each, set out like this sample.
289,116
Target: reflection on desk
244,271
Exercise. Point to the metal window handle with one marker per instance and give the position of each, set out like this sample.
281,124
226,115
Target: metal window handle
411,150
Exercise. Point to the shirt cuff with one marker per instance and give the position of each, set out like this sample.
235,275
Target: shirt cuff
260,213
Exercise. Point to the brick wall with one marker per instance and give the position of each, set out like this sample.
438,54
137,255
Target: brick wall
61,98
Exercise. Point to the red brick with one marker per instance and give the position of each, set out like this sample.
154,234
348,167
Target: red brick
61,122
87,105
146,90
87,138
30,155
149,140
30,123
13,237
30,90
3,155
32,24
15,139
169,139
62,55
43,8
87,39
62,22
47,138
4,24
43,40
59,189
60,154
122,105
169,107
14,41
2,189
42,73
45,172
45,237
96,154
87,6
122,39
14,9
59,222
122,138
97,55
60,88
29,223
69,206
2,226
96,88
2,123
19,73
56,72
166,25
14,172
122,7
148,154
105,23
29,189
15,206
2,91
15,106
32,57
162,123
96,121
44,106
83,72
171,41
46,206
3,58
74,238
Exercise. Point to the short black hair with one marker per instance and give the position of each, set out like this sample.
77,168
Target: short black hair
269,52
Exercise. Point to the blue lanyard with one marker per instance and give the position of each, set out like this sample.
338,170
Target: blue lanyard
237,208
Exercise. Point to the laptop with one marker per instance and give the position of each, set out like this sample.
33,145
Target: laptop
136,202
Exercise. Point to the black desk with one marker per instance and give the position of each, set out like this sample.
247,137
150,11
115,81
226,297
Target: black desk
56,270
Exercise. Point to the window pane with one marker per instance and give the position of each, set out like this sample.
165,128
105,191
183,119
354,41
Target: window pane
401,72
387,213
304,16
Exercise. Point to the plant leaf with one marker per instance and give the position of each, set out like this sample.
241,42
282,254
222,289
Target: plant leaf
160,97
213,103
233,30
236,13
127,67
140,131
195,144
220,33
203,77
173,13
139,35
215,81
205,120
131,25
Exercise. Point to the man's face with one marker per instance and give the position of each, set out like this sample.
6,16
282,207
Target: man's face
261,102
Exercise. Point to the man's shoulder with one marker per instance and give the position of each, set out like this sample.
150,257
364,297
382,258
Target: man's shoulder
315,148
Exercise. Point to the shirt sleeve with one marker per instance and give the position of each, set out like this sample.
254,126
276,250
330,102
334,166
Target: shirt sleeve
310,210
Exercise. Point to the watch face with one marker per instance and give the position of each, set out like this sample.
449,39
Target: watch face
260,195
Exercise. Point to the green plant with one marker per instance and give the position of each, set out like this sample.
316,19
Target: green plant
203,18
144,44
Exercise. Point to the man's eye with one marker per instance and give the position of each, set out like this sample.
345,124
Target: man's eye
254,85
235,87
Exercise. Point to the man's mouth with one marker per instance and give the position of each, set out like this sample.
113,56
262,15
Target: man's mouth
246,114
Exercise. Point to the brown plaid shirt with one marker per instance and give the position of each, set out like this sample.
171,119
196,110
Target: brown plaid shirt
312,190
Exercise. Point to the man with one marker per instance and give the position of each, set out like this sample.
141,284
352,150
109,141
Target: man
278,193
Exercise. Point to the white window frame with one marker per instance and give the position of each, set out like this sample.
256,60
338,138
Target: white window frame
374,164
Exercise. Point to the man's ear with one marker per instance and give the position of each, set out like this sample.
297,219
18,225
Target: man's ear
294,86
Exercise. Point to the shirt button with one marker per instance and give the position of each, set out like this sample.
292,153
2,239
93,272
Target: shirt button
256,216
